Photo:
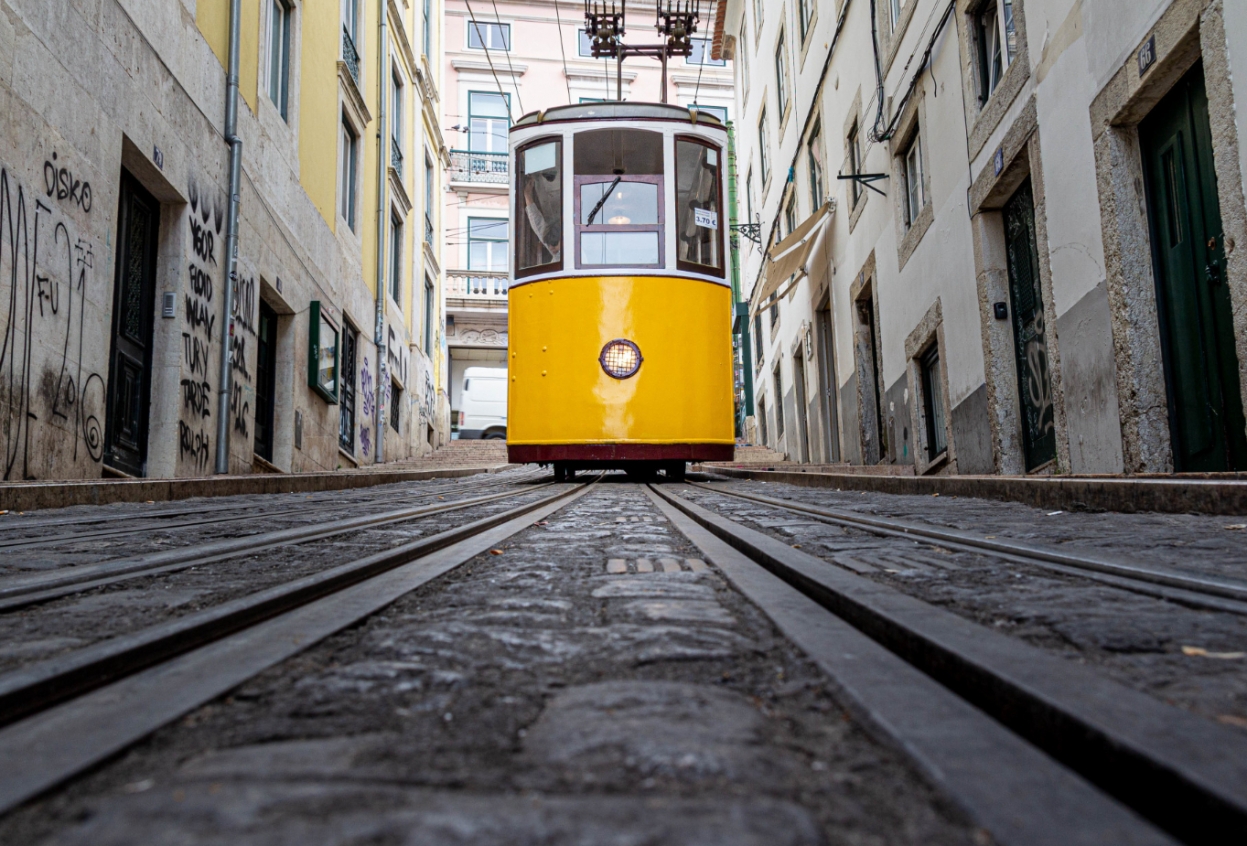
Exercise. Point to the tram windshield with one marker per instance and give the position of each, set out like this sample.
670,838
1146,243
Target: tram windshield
619,216
698,233
540,225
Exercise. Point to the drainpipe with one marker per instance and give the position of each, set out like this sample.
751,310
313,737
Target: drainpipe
231,238
383,378
746,351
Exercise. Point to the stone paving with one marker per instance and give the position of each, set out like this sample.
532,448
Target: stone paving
1191,658
589,682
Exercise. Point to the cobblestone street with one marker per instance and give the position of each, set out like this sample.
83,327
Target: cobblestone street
598,668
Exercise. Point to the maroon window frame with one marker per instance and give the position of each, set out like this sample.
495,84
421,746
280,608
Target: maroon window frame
519,221
689,266
659,227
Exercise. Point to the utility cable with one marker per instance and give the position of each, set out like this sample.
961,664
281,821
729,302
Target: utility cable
489,59
567,78
507,50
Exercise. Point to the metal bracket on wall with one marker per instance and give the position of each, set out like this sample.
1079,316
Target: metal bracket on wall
752,231
865,180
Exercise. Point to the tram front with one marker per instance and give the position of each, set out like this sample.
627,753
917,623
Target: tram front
620,346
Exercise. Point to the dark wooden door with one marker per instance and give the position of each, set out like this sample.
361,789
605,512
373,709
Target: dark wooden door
130,359
265,382
1029,332
1188,251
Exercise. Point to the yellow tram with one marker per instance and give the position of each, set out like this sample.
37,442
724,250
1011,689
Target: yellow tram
620,350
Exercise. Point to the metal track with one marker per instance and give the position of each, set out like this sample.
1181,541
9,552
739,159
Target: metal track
1196,591
1183,773
26,590
115,693
197,518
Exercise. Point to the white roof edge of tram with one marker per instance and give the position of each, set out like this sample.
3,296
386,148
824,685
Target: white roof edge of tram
620,111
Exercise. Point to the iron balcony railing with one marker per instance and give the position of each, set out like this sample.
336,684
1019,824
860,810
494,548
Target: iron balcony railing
396,157
467,166
428,229
350,55
476,284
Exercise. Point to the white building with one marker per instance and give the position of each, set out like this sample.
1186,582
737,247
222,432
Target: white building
1039,266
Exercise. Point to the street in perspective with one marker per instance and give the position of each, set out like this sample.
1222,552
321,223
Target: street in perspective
685,422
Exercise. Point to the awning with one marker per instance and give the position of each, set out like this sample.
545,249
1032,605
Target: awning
790,255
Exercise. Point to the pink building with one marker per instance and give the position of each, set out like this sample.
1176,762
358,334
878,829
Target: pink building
501,64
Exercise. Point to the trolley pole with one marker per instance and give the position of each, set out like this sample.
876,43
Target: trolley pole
740,306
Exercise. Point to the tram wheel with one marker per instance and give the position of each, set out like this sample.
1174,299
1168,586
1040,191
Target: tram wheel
675,472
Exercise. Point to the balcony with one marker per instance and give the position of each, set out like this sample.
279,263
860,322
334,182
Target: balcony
476,289
350,55
481,168
396,157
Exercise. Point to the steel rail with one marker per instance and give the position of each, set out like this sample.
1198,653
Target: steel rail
158,675
163,514
1183,588
41,684
1186,774
1003,784
25,590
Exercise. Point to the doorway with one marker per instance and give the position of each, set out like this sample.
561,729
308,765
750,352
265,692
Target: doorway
130,355
265,382
1193,300
826,384
798,379
1030,340
874,448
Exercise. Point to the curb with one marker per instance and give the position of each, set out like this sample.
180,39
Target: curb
1173,495
30,496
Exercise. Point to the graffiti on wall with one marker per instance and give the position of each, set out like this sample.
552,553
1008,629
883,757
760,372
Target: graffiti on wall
206,219
47,263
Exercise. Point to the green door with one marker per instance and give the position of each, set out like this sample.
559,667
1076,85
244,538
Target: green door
1030,337
1193,301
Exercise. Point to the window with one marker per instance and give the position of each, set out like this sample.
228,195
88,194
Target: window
933,402
489,36
774,313
700,54
742,62
396,401
396,123
699,241
762,420
539,176
346,396
894,7
749,196
781,76
790,214
487,244
585,47
396,258
350,37
322,354
757,336
779,402
853,142
618,192
814,158
912,164
347,174
428,200
718,111
764,146
805,11
757,14
427,33
279,55
428,316
489,118
995,35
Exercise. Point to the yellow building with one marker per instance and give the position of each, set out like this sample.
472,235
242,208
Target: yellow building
120,149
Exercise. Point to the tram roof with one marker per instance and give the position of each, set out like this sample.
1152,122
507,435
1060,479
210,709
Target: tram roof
616,111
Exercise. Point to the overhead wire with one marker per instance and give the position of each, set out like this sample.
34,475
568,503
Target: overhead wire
702,64
507,49
480,33
567,77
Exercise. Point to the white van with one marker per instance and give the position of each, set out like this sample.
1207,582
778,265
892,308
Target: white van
483,405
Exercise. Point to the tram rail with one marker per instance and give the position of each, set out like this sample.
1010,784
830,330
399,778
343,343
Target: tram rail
1187,589
63,715
1186,774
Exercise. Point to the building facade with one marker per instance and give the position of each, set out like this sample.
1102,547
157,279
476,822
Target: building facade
133,336
997,236
502,62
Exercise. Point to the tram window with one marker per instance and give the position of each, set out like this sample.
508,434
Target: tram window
539,244
697,203
618,203
618,152
618,248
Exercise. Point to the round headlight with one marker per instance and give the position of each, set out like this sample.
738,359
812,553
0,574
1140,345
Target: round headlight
620,358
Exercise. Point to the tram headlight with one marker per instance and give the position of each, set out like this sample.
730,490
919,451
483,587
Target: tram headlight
620,358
